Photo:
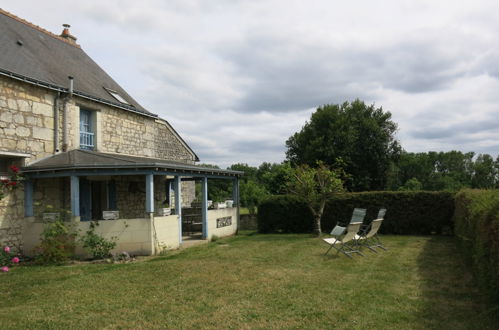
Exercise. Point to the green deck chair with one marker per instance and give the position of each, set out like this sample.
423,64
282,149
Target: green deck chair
345,240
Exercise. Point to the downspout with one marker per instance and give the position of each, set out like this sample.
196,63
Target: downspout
65,116
56,122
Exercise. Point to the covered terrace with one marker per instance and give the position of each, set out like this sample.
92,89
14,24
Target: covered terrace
85,184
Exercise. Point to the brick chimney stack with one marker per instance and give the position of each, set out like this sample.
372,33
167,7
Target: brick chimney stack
66,35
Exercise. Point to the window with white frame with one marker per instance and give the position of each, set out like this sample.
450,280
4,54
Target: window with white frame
87,129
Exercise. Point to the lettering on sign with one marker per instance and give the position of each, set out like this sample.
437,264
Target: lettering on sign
224,222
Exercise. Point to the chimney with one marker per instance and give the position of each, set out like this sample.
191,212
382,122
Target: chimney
66,35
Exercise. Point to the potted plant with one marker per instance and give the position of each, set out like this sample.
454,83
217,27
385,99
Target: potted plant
50,215
219,205
165,209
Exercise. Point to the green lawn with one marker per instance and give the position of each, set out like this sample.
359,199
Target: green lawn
255,281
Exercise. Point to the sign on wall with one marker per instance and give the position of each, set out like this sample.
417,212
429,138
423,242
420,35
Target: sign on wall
224,222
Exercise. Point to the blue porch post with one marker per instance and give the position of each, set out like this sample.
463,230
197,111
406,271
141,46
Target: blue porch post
150,193
75,196
177,186
235,198
235,191
204,206
28,198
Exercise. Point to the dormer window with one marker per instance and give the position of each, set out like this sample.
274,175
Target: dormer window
117,96
87,132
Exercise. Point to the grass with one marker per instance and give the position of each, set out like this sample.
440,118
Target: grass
255,281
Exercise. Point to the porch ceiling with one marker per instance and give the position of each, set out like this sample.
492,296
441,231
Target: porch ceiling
85,162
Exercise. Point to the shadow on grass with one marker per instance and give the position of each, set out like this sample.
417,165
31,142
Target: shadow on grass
451,299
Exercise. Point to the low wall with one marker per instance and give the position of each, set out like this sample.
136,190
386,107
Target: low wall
165,232
132,235
222,217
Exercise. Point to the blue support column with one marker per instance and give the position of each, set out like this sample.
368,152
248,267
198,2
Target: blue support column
75,196
235,198
28,198
177,186
204,206
235,191
150,193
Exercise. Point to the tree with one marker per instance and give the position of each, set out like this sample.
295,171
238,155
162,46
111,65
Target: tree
274,177
485,172
251,194
361,136
315,186
412,184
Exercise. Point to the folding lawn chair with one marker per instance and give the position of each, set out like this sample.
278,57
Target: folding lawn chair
358,215
368,236
343,239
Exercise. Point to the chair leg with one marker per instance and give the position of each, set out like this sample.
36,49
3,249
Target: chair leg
367,244
378,243
330,247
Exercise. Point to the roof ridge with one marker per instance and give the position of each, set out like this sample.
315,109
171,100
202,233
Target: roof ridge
36,27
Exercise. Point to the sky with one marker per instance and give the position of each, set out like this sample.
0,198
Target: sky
237,78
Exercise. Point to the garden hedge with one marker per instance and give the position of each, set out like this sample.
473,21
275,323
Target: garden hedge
411,213
477,227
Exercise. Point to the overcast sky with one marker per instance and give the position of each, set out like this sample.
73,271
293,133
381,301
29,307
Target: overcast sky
237,78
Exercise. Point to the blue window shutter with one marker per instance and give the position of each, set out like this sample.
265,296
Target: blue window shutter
111,188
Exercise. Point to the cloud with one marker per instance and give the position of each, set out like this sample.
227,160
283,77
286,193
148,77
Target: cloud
237,78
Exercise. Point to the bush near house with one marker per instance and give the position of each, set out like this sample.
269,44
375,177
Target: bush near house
409,213
477,228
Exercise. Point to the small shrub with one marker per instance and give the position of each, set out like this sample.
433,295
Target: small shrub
7,259
57,244
96,245
214,238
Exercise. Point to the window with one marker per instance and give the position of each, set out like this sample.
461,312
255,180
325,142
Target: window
8,159
87,134
117,96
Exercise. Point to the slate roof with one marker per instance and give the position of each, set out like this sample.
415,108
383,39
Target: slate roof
93,160
32,54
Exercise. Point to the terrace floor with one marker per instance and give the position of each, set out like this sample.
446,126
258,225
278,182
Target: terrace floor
256,281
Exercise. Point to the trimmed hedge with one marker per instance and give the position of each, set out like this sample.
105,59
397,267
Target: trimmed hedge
477,228
410,213
284,213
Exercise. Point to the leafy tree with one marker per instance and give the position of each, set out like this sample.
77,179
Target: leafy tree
251,194
274,177
315,186
412,184
450,170
485,172
361,135
250,172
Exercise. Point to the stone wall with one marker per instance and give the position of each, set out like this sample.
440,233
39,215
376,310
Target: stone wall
128,133
11,219
26,119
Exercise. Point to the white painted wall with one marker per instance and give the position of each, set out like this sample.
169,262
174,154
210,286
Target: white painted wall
213,215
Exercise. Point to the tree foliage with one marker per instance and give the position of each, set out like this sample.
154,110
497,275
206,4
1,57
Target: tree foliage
361,135
315,186
450,171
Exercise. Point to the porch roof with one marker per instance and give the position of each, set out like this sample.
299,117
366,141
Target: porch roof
85,162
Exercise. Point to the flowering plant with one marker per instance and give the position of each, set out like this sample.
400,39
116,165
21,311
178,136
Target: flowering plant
10,183
7,259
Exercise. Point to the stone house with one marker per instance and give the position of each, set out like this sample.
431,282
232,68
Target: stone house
89,151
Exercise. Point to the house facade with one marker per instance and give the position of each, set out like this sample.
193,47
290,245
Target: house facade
89,151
